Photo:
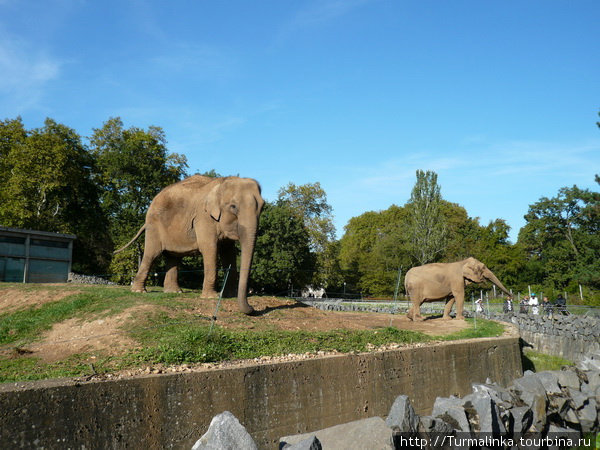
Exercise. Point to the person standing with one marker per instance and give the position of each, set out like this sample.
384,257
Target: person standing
534,303
547,307
561,305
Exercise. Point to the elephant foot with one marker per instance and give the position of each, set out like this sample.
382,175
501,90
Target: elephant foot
415,318
209,293
141,290
172,290
461,317
250,311
445,317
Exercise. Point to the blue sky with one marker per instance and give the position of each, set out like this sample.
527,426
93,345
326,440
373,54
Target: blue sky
500,98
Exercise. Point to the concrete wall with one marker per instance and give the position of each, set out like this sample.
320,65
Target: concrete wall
271,400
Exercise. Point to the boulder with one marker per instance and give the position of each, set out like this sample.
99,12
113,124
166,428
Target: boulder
402,416
310,443
429,424
550,382
483,414
451,411
362,434
593,377
531,391
225,433
521,419
577,398
528,388
567,378
501,396
588,416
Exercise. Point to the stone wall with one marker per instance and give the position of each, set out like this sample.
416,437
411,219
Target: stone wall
270,400
569,337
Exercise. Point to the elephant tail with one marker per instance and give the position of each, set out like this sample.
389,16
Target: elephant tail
141,230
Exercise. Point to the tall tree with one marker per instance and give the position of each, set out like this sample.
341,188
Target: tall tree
282,257
309,203
133,166
48,186
563,234
373,248
427,227
12,135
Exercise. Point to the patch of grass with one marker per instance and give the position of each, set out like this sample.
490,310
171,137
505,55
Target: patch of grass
32,369
174,336
538,362
484,328
177,345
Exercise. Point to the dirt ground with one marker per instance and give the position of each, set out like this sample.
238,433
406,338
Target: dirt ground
105,334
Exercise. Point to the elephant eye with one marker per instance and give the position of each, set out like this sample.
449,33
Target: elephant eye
233,208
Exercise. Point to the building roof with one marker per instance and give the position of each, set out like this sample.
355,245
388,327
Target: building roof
37,233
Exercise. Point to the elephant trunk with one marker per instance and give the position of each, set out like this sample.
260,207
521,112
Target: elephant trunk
247,242
490,276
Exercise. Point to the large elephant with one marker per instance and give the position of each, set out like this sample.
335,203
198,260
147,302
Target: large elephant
202,214
445,281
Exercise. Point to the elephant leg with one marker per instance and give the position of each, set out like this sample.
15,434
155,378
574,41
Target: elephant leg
460,303
228,256
448,308
152,250
171,284
414,313
209,255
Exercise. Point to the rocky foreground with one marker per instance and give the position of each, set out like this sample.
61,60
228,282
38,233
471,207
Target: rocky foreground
550,409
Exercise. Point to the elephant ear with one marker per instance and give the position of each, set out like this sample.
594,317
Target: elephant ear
213,203
472,271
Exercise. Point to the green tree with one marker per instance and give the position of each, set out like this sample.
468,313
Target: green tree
12,135
133,166
374,246
282,257
48,186
427,228
309,203
562,234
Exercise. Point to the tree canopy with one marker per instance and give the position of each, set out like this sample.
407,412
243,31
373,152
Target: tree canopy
52,180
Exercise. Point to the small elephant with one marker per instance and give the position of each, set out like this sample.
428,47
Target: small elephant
441,281
202,214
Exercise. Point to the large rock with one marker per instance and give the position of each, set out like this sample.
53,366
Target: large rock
593,377
567,378
483,414
310,443
402,416
531,391
430,424
588,416
501,396
550,382
521,419
451,411
365,434
528,388
577,398
225,433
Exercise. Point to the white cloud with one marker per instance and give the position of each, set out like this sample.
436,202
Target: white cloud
499,181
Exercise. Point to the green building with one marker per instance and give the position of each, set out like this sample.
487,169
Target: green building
30,256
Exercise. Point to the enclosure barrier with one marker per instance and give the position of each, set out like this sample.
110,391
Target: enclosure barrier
270,400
